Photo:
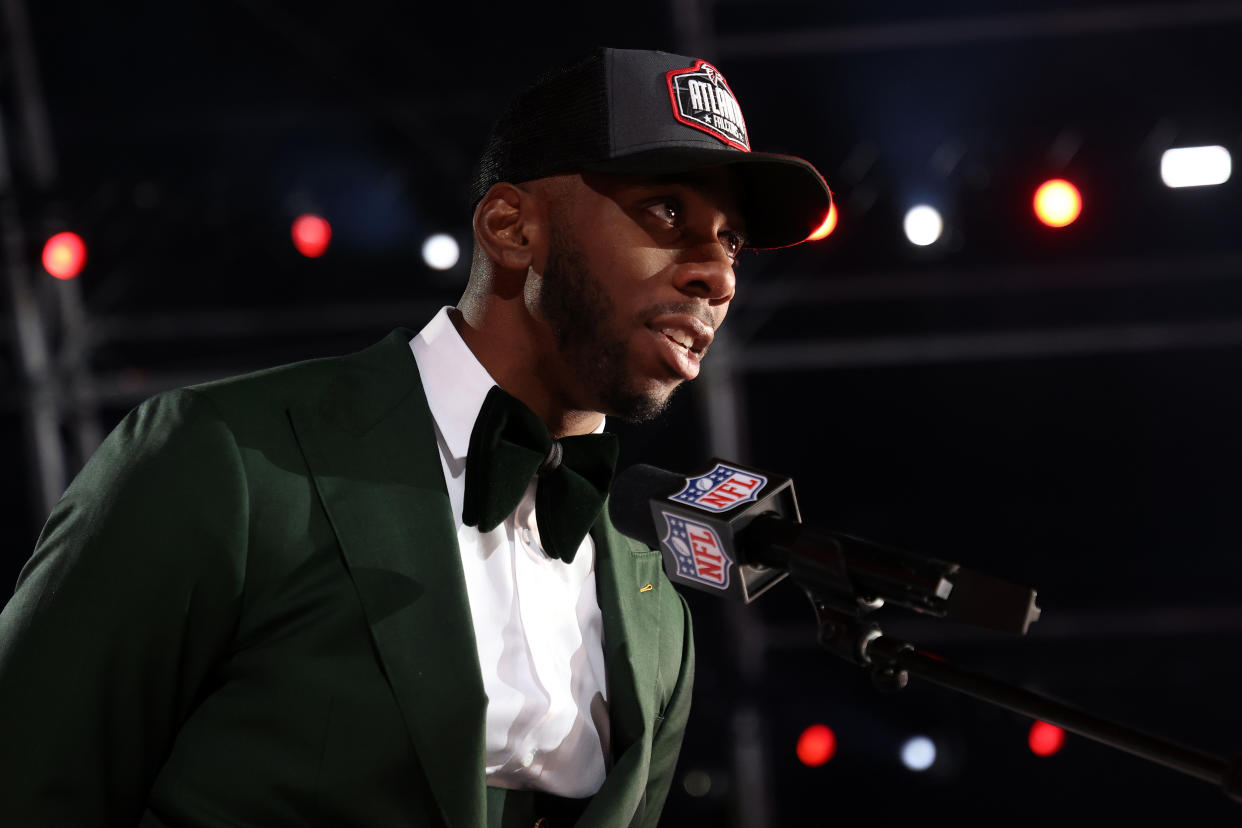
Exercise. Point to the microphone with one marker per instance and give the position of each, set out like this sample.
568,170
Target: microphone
735,530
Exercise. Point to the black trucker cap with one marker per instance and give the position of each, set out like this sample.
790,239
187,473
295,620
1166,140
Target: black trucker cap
633,111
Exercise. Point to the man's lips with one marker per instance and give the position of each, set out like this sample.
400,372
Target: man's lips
682,340
686,330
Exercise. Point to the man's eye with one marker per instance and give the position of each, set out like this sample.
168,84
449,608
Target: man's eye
668,210
733,243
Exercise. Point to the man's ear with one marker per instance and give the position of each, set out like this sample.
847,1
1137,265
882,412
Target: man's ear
509,225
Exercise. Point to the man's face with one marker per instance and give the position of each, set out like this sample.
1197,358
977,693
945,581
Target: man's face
639,275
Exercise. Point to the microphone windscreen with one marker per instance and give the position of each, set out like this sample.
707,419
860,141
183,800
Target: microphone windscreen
629,504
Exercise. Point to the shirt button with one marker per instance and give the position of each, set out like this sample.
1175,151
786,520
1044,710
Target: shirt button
528,759
527,536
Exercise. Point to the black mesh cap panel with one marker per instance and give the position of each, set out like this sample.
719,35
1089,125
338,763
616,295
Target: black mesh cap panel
558,124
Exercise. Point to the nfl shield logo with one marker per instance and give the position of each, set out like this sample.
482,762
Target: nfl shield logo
698,552
721,489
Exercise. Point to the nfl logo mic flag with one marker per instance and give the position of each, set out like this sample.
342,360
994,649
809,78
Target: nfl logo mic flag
701,516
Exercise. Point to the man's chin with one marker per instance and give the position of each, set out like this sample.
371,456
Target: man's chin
636,406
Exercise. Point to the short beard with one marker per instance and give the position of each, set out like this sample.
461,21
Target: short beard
580,312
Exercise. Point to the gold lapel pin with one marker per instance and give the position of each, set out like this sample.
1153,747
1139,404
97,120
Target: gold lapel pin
647,588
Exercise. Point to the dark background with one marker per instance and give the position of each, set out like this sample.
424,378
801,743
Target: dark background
1058,408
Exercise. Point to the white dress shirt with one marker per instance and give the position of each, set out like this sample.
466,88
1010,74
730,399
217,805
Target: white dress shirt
537,622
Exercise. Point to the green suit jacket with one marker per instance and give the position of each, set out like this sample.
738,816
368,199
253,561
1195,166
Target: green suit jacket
249,610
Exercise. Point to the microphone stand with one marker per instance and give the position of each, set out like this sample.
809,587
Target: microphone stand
843,631
846,578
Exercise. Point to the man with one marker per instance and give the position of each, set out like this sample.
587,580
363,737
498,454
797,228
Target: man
379,590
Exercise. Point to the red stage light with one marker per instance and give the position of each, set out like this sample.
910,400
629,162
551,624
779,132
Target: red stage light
1045,739
311,235
816,745
1057,202
830,224
64,255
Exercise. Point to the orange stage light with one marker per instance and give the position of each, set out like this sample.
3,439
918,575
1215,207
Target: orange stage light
1057,202
830,224
64,255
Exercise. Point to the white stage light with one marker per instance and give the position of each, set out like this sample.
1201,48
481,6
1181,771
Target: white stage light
1195,166
440,251
923,225
918,753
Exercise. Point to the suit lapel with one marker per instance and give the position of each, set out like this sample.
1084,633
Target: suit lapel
628,582
370,445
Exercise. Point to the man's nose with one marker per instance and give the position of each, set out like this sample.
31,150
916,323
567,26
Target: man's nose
706,272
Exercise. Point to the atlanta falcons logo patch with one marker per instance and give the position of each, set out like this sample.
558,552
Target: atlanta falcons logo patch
703,100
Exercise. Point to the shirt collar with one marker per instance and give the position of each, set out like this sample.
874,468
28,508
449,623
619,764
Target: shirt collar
454,380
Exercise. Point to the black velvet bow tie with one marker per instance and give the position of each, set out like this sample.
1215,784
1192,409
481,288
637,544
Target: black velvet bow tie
508,447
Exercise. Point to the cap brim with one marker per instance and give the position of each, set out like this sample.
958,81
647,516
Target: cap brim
784,198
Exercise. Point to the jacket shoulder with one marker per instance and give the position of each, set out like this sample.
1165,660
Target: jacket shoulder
347,387
306,379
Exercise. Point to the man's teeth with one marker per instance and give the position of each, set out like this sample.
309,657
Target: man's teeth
680,337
